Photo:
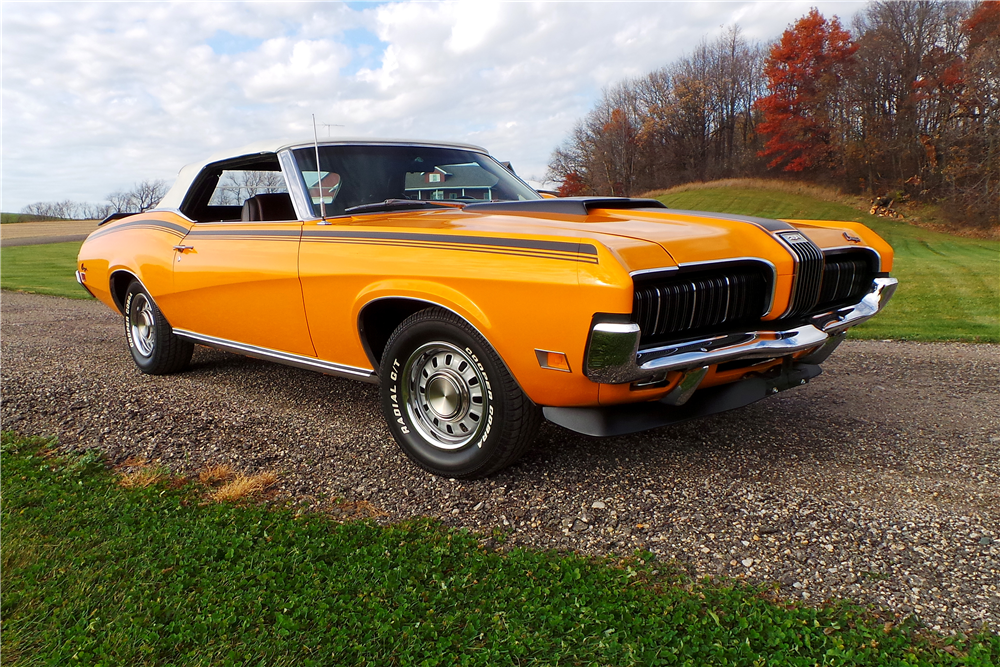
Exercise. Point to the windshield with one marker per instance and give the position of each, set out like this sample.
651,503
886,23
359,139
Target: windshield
351,176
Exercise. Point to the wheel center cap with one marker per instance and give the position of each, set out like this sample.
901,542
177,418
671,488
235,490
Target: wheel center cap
443,396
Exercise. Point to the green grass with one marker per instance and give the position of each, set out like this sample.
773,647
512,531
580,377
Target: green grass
95,574
43,269
11,218
949,286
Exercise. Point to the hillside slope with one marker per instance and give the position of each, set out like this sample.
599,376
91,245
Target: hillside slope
949,285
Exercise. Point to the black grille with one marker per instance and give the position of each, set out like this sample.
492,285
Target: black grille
847,277
674,306
808,273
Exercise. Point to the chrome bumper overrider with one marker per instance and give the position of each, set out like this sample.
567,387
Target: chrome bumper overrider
613,355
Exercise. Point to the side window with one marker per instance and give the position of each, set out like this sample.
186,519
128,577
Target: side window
237,185
221,192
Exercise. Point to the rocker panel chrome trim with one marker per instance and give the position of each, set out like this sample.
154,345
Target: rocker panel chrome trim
287,358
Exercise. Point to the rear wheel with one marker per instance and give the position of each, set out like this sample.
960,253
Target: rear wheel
449,400
154,346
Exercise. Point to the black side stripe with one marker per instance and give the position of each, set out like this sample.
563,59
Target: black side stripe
577,252
158,225
447,239
278,234
462,248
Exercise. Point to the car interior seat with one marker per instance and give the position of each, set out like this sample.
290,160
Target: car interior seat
268,207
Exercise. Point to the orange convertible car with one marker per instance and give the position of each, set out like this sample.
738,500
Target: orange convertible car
479,306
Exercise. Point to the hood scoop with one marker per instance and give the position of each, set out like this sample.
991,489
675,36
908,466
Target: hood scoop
581,206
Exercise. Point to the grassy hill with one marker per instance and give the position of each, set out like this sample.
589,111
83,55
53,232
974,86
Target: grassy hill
949,285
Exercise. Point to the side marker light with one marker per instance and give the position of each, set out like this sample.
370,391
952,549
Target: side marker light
555,361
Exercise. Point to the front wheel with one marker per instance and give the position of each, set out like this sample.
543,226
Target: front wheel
154,346
449,400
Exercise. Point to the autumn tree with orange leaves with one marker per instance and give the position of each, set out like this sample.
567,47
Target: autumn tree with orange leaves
804,73
907,105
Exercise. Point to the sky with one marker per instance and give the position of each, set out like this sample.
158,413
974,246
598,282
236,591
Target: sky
95,97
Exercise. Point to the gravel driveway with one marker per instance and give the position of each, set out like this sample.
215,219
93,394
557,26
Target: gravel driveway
878,482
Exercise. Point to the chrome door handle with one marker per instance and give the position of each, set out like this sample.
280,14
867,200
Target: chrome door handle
182,248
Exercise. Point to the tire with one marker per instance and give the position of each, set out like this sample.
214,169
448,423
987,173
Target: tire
449,400
154,347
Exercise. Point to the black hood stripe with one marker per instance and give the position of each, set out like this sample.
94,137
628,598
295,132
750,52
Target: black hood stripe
767,223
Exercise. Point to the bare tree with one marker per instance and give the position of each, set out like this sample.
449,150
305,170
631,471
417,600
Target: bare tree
95,211
147,194
120,202
603,152
62,210
691,120
143,196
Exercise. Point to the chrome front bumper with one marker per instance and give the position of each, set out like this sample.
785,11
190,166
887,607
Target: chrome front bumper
613,355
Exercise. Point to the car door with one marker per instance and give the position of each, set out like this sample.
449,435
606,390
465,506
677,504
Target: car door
237,280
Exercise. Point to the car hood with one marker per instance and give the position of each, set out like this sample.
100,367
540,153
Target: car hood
643,234
687,237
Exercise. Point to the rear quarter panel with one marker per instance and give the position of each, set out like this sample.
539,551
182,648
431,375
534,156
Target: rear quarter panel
141,245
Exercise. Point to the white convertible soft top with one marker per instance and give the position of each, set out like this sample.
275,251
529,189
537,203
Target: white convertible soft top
175,196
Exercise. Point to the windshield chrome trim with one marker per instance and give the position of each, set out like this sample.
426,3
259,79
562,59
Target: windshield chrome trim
297,189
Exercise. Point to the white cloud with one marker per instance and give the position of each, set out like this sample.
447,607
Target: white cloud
99,95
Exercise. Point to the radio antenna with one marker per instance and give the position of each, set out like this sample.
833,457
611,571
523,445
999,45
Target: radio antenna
319,174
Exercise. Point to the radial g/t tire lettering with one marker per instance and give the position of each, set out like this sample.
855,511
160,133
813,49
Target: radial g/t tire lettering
449,400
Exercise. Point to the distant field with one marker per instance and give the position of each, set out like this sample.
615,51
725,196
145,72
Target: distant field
949,285
42,269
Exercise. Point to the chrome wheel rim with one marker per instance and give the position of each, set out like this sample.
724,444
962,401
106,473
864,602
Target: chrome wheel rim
142,324
445,395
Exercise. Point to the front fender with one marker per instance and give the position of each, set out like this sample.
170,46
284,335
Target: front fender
428,291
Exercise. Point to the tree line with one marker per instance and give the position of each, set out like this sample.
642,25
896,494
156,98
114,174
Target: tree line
144,195
905,102
233,188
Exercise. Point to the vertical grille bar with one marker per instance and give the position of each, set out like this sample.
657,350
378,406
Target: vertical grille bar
808,272
846,277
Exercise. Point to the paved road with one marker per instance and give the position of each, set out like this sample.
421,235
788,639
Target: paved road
879,481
